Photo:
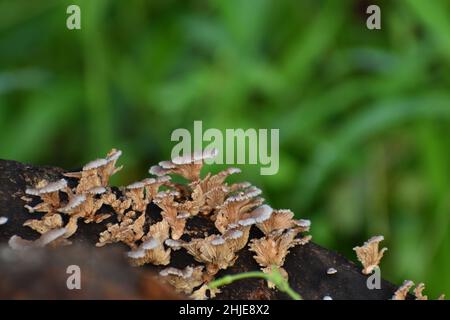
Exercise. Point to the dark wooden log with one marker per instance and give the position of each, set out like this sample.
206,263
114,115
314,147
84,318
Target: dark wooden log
306,265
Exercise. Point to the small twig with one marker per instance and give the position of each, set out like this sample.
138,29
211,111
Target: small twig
274,276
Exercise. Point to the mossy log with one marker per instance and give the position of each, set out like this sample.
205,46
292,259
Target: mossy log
306,265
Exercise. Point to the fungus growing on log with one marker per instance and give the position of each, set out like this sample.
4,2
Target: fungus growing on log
152,250
272,249
402,292
228,216
369,254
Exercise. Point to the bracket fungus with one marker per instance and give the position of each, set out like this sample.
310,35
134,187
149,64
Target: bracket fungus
369,254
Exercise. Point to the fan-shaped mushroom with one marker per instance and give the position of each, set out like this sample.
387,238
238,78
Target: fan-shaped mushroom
184,280
49,194
369,254
272,250
152,250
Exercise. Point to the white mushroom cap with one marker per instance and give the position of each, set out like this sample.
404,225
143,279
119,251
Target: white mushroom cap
114,156
157,171
247,222
174,244
303,223
374,239
217,241
136,254
186,273
76,201
147,182
3,220
259,215
331,271
249,193
167,193
17,243
233,234
97,163
149,244
327,298
196,156
50,236
167,164
97,190
49,188
233,170
136,185
262,213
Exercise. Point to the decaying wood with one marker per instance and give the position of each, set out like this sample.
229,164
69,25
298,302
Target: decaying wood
306,265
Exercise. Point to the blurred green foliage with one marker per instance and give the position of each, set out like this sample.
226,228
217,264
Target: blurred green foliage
364,116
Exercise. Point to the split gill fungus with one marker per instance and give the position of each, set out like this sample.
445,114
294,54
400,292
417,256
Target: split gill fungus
233,209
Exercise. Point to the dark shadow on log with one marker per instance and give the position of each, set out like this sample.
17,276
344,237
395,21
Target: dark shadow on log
307,265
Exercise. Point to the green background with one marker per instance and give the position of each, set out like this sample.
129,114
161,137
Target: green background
364,115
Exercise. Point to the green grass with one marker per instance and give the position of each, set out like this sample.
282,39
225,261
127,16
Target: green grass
364,116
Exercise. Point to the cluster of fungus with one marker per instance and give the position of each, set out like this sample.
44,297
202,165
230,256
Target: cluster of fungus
370,257
233,209
402,292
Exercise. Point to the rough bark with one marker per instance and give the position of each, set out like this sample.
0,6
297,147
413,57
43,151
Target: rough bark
307,265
